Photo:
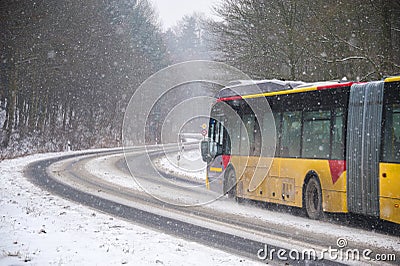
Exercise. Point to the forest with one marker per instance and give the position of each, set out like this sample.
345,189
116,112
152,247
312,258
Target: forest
68,68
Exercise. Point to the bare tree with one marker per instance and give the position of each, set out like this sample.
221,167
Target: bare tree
309,40
187,40
68,69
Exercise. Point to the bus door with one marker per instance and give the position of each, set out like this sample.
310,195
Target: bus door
364,126
219,136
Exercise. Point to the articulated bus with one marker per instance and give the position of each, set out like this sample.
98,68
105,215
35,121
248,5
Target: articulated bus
336,145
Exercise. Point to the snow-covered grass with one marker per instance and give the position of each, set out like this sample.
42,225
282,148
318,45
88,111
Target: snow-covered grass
99,168
37,228
189,165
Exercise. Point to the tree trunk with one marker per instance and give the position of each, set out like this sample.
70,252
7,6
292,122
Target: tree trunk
10,109
386,41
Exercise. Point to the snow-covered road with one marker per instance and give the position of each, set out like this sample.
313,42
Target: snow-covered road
45,229
38,228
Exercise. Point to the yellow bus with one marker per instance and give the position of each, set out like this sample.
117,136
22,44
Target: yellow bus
335,145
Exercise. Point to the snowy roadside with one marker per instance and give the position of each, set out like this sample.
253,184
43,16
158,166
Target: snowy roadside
186,164
38,228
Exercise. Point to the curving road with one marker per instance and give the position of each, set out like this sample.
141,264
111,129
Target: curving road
209,224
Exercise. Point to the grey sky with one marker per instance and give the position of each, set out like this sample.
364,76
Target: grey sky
171,11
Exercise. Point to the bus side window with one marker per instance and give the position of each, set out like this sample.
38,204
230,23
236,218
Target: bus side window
219,136
211,132
257,139
337,152
226,146
278,126
232,136
252,145
396,130
217,133
316,134
391,145
271,130
291,134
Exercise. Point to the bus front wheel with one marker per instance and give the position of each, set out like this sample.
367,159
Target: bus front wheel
313,198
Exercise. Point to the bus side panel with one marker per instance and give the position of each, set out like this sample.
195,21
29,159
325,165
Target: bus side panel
333,189
238,164
334,195
266,168
389,175
245,167
283,183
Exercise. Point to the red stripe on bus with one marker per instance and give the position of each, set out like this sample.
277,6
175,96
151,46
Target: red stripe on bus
225,160
229,98
339,85
337,167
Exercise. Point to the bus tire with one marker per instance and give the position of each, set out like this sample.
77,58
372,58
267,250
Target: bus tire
312,198
230,183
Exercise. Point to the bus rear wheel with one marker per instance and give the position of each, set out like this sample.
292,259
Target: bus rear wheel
230,183
313,198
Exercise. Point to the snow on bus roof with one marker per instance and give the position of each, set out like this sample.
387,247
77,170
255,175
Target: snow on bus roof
249,87
246,87
324,84
239,83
